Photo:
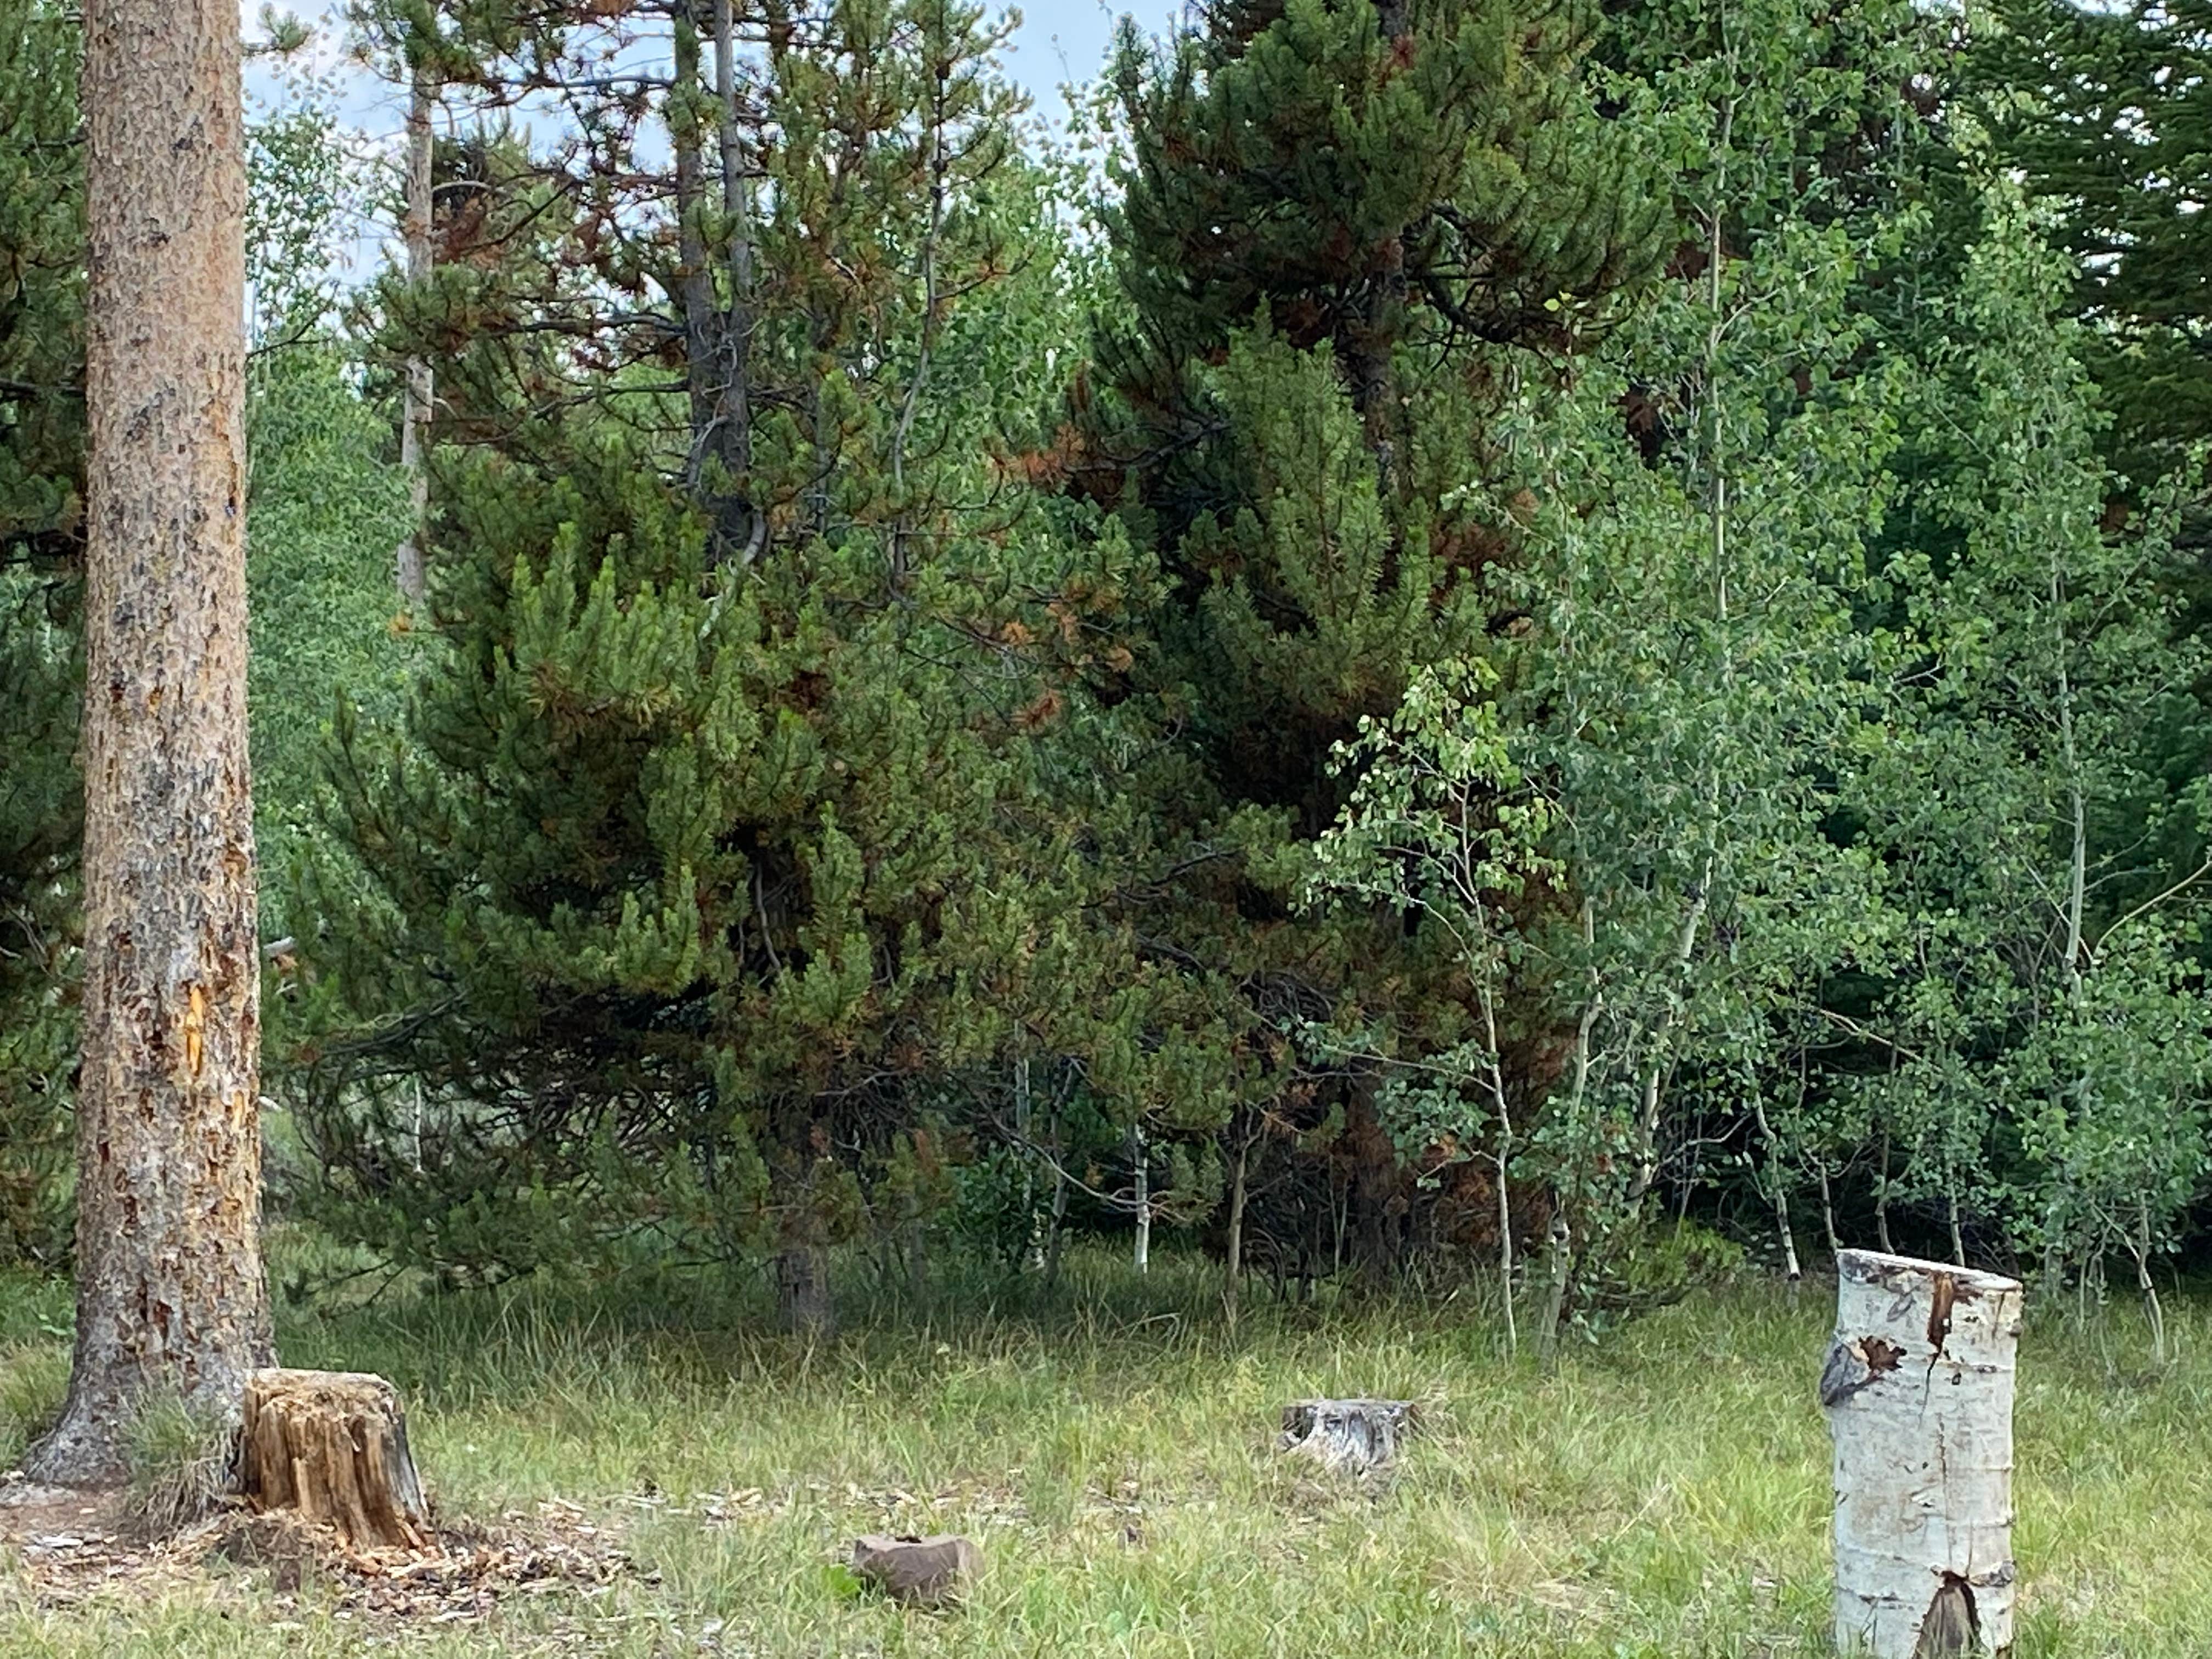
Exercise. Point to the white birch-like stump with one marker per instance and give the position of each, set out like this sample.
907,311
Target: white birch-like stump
1354,1437
333,1446
1918,1387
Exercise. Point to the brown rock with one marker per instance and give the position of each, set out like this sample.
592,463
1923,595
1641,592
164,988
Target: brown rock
923,1572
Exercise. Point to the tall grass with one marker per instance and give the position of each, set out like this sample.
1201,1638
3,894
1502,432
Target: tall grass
1665,1494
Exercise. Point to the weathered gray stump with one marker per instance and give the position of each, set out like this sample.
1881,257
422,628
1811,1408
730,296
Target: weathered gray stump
1918,1387
1352,1437
922,1572
333,1446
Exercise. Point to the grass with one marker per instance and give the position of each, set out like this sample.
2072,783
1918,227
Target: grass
1659,1497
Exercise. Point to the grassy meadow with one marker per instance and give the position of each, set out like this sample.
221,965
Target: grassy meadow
1661,1496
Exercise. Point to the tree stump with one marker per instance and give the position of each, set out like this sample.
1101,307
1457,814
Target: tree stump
923,1572
1918,1388
1354,1437
333,1446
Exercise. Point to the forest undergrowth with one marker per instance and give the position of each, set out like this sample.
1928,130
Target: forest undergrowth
1662,1494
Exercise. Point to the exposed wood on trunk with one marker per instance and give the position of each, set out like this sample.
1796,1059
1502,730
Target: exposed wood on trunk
333,1446
1918,1390
169,1282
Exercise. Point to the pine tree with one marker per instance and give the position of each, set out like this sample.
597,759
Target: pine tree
743,817
1344,229
2107,111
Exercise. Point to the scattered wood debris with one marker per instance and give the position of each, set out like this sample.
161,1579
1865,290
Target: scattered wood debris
73,1549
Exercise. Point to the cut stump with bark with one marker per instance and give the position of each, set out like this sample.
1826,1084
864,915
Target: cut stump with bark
1919,1390
922,1572
1354,1437
333,1446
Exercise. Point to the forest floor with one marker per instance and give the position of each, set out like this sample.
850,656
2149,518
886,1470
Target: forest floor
633,1469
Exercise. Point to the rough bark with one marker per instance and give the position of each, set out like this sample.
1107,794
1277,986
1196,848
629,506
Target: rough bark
1918,1388
415,417
333,1446
170,1290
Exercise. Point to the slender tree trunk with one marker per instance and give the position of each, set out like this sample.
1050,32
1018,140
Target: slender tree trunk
1828,1209
1780,1195
1555,1305
1496,1076
1056,1229
694,279
170,1290
1140,1160
744,526
1236,1254
2139,1247
1056,1234
1032,1247
415,418
1882,1197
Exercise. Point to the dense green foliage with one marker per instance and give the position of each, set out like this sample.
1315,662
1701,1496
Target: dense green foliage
41,481
1512,621
2106,111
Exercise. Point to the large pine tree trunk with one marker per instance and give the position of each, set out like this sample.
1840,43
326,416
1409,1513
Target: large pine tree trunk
169,1283
1918,1390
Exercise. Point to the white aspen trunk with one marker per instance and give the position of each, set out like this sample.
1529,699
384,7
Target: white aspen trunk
1918,1390
1778,1189
1143,1177
1033,1246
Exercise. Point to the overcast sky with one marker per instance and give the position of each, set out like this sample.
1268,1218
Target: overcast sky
1058,42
